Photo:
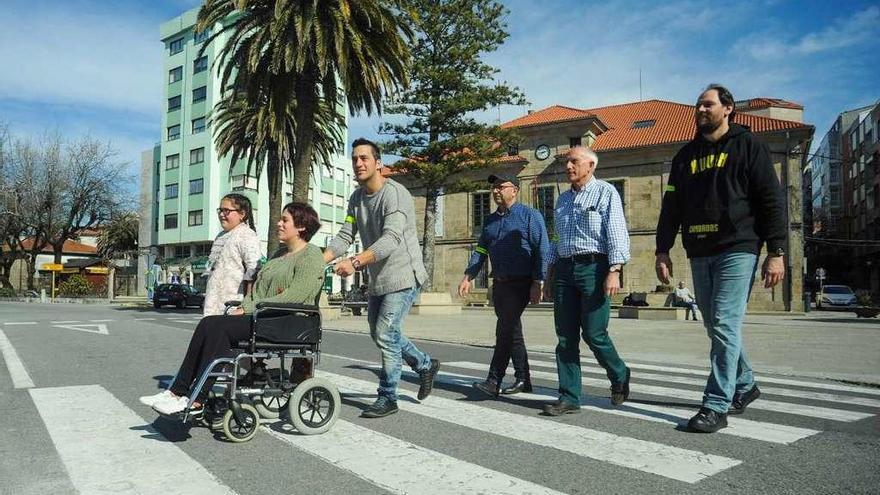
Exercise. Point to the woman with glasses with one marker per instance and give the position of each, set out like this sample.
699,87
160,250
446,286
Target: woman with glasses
234,256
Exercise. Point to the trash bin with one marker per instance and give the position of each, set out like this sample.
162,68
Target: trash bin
808,296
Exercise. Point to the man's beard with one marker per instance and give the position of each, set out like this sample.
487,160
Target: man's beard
708,126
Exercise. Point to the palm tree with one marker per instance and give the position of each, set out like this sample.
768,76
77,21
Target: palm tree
119,238
243,129
293,54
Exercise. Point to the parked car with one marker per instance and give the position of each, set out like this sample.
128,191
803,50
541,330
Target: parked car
835,296
179,295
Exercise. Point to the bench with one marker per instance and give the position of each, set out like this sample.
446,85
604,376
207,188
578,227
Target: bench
357,308
652,313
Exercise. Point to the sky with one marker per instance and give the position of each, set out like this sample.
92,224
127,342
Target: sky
91,67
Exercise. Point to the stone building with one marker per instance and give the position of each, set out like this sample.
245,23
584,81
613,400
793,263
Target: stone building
635,143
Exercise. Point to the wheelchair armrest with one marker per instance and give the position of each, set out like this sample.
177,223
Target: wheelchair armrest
232,303
288,307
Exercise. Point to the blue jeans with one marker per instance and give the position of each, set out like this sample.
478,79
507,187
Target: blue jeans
722,284
385,314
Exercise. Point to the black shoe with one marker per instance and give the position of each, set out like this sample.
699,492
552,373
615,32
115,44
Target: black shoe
707,421
426,379
561,407
517,387
488,387
381,408
620,391
740,401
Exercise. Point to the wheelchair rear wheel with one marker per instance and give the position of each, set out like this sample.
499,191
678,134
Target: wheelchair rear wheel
244,431
314,406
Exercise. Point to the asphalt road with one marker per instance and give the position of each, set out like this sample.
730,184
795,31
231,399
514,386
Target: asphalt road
72,424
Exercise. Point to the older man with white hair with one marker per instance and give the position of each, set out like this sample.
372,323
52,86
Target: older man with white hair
591,248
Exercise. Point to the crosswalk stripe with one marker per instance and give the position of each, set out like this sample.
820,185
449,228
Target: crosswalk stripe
767,405
17,371
672,462
738,427
705,372
402,467
107,448
785,392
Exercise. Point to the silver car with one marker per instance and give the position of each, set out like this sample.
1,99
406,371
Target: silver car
835,296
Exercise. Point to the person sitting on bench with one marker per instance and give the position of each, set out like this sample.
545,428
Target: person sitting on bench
685,299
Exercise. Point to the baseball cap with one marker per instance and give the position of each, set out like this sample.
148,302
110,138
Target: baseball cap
502,178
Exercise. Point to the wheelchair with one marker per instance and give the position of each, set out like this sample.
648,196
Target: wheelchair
289,334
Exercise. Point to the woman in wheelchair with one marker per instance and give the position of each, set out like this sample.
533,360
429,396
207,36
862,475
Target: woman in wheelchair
295,277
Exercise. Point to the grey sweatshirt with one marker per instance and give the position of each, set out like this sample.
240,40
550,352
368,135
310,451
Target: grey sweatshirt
386,222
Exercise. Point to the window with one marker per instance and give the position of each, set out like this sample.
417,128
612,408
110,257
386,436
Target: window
574,141
200,64
618,184
170,191
175,46
175,74
196,186
180,251
203,249
239,182
199,94
174,132
198,125
480,211
171,221
172,161
544,203
195,218
200,37
173,103
196,156
512,150
644,124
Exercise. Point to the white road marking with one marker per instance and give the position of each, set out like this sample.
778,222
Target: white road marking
785,392
705,373
402,467
100,321
63,322
144,319
20,323
767,405
107,448
739,427
17,371
98,328
672,462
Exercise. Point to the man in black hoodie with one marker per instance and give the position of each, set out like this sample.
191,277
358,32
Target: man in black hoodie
724,195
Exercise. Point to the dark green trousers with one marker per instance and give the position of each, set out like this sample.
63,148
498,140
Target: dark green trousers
581,308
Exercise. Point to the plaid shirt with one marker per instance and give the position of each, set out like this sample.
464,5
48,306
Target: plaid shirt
516,243
591,221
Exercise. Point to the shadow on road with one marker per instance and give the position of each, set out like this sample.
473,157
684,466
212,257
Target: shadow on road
845,321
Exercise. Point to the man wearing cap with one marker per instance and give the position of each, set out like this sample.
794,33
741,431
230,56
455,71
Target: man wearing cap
591,246
514,238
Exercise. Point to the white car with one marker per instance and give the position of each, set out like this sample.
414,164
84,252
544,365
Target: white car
835,296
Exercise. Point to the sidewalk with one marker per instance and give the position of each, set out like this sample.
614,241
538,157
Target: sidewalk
820,344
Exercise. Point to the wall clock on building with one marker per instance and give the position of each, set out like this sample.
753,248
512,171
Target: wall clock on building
542,152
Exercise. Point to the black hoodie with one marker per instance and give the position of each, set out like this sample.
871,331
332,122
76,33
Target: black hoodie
725,196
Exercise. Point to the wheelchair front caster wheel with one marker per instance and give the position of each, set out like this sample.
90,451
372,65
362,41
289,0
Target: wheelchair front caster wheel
314,406
244,431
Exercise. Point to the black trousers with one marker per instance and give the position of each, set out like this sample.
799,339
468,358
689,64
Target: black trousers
213,338
510,298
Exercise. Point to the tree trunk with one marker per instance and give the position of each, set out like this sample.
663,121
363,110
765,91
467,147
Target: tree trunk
275,178
304,115
31,260
428,237
5,271
58,251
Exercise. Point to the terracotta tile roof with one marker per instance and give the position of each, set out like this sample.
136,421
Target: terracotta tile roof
672,123
759,103
70,247
556,113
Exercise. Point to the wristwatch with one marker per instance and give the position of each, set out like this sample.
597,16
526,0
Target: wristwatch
356,263
776,253
615,268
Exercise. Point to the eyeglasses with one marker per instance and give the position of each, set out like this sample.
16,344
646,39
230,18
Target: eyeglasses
501,186
225,211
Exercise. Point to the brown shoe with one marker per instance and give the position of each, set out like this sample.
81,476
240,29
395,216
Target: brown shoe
561,407
517,387
488,387
620,391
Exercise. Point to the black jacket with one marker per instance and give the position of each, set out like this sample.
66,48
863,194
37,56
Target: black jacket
725,196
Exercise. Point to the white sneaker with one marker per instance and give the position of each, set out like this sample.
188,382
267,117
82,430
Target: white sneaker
172,405
149,400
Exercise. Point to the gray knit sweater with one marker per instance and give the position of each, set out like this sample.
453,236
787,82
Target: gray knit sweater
386,222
